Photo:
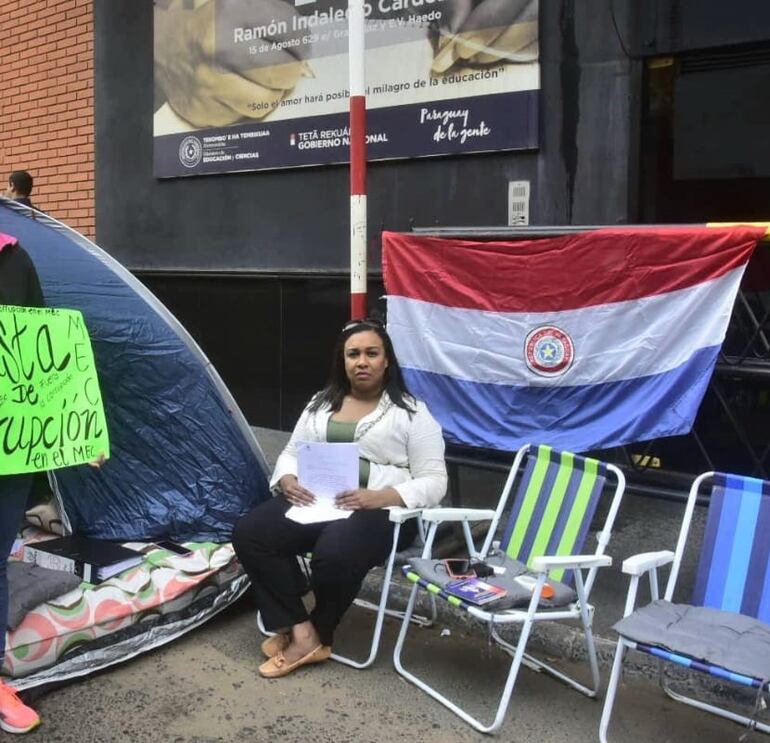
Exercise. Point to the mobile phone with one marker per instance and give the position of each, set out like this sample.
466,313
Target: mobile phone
177,549
458,568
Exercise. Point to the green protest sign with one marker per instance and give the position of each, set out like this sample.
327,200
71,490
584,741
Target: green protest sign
51,412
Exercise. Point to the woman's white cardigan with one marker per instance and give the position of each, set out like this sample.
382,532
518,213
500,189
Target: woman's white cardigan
406,452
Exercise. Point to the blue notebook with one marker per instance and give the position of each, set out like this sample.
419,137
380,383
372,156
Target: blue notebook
475,590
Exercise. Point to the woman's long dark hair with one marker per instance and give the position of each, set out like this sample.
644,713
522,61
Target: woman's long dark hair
339,385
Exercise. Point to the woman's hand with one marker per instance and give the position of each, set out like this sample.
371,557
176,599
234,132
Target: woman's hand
294,492
98,462
363,499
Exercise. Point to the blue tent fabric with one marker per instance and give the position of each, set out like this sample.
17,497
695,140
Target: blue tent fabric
184,462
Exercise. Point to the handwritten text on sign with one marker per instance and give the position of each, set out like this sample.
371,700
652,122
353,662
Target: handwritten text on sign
51,412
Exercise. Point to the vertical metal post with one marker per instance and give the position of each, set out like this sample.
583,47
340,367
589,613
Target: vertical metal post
358,230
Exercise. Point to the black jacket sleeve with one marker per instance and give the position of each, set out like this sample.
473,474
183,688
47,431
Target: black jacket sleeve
19,282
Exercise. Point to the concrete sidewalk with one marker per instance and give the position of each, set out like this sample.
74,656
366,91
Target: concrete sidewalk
205,688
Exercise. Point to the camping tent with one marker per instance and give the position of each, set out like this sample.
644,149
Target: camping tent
184,462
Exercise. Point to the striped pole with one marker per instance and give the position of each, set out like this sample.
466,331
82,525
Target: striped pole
356,47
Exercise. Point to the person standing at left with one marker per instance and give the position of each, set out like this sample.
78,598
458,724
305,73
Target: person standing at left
19,286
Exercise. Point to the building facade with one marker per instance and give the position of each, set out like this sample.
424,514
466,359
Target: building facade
47,104
650,112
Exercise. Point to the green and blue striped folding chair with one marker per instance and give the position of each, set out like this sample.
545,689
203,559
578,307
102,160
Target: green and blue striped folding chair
725,631
549,522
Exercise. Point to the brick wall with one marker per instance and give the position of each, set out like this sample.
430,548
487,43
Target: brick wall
46,104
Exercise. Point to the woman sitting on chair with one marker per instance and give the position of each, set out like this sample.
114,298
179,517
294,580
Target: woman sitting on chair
402,464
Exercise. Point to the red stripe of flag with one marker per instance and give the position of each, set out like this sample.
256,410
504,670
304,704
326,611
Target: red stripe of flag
561,273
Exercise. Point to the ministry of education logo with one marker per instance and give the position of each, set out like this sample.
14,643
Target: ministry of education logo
549,351
190,151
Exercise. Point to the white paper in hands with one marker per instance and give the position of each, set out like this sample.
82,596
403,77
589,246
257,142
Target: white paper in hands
325,470
318,512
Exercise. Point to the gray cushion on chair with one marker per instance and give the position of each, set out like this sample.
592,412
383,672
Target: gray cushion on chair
517,595
738,643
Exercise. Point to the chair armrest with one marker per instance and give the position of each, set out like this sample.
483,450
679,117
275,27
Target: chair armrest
457,514
640,564
398,515
550,562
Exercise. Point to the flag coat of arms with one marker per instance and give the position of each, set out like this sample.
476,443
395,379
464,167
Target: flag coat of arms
583,341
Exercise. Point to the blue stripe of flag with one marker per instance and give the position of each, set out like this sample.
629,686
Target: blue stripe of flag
568,418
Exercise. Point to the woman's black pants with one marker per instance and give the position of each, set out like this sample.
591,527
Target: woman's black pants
343,551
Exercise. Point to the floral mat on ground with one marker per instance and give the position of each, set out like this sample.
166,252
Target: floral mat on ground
163,583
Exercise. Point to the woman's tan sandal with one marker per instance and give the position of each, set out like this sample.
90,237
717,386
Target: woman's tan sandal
274,645
277,666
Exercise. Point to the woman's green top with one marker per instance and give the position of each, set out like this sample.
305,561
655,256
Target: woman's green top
343,433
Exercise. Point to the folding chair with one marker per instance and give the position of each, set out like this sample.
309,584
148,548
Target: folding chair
724,632
397,516
549,520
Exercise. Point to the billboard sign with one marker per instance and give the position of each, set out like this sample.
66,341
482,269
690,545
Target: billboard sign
257,84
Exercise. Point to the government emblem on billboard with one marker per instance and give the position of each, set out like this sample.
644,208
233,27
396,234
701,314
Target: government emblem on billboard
548,351
190,151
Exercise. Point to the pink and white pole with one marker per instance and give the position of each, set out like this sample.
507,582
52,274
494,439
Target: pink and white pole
358,230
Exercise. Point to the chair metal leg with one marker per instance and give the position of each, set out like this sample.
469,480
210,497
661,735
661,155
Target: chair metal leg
612,688
539,665
368,605
341,658
380,608
692,702
261,626
529,661
586,618
417,619
714,710
507,692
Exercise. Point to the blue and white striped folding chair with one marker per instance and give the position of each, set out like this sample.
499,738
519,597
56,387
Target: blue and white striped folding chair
549,521
725,632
